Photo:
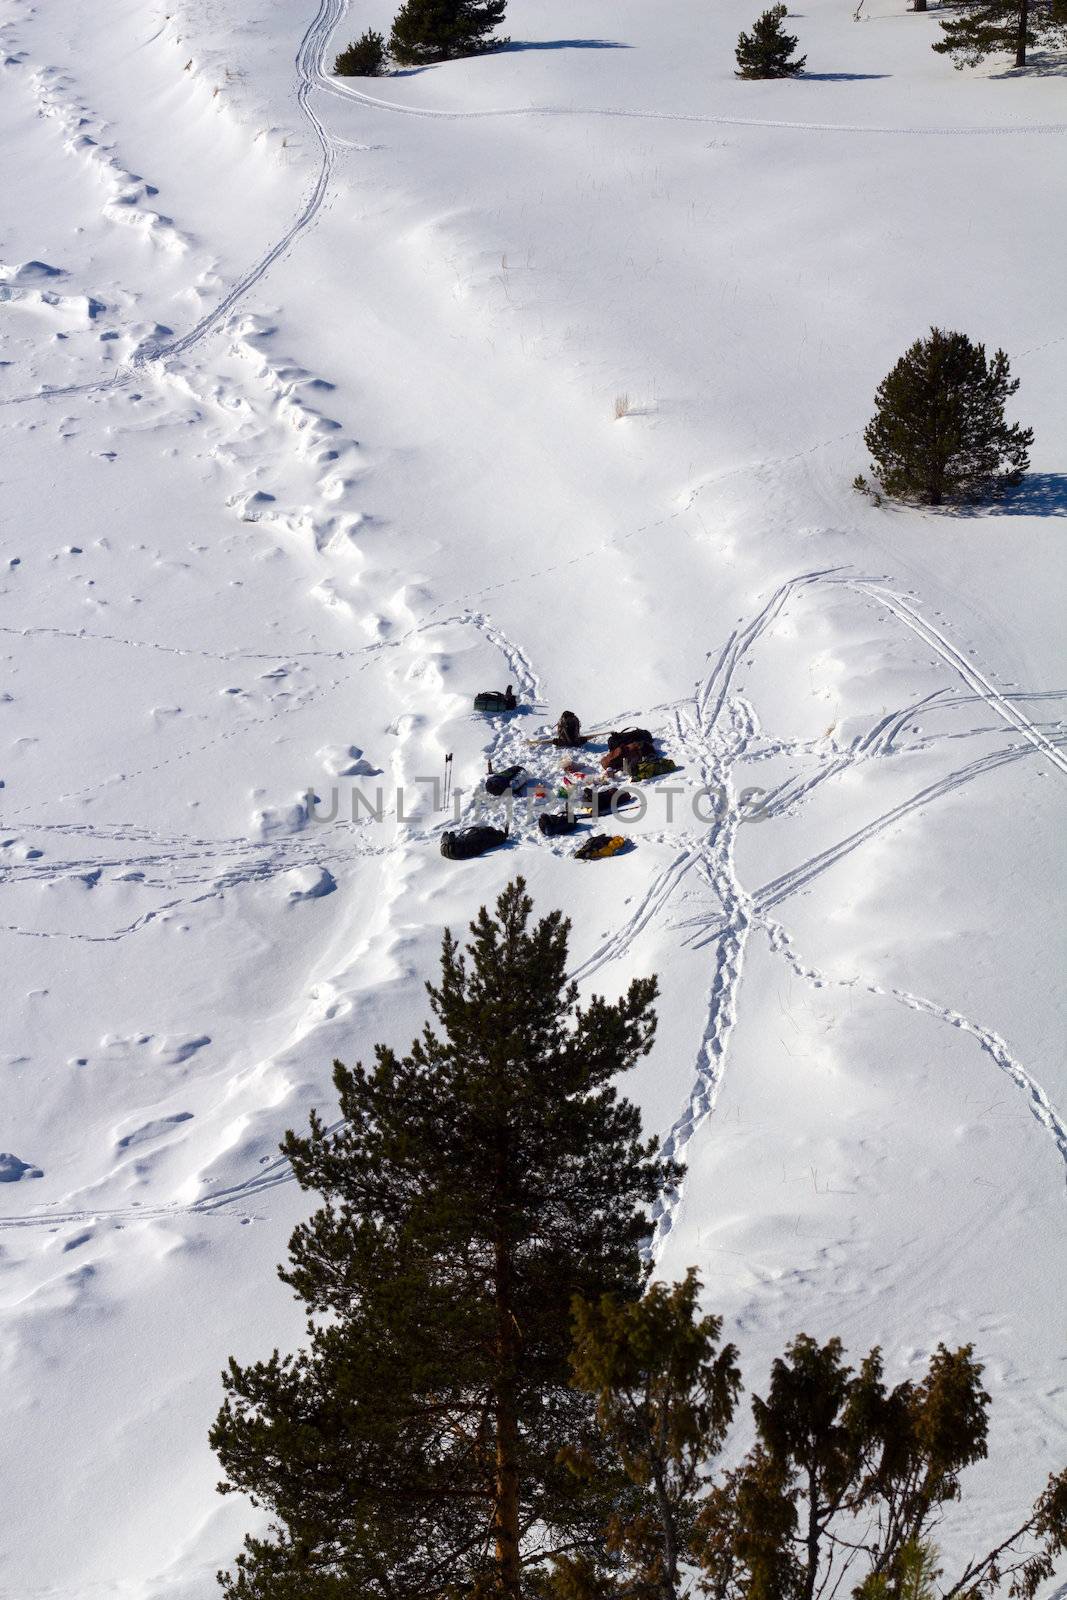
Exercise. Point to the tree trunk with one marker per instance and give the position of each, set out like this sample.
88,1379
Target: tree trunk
670,1542
812,1540
506,1508
1020,39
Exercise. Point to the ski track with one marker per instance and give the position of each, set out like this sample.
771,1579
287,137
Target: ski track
345,91
309,59
954,658
714,730
310,62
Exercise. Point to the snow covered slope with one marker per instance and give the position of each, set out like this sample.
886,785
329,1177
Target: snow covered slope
307,412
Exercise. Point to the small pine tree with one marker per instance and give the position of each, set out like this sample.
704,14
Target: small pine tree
766,51
364,58
442,30
471,1189
938,432
991,27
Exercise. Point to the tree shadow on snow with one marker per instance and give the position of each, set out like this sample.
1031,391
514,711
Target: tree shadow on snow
560,44
1041,494
514,45
841,77
1042,64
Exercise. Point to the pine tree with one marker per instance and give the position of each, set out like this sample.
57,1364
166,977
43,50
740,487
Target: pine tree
471,1189
836,1450
982,28
364,58
916,1572
766,51
939,432
665,1397
441,30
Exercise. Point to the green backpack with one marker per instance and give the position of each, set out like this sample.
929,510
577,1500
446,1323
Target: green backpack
653,769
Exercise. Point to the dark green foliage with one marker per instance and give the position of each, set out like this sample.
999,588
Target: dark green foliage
471,1189
939,432
766,52
983,28
665,1397
441,30
836,1450
365,58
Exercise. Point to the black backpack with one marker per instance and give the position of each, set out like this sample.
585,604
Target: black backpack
599,800
569,731
553,823
498,783
464,843
629,736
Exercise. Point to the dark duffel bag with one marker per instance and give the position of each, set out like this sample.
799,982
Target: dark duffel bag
464,843
553,823
495,700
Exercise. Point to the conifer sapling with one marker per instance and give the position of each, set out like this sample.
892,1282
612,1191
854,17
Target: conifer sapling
442,30
939,432
364,58
767,52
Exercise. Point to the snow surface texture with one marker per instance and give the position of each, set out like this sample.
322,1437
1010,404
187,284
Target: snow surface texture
308,413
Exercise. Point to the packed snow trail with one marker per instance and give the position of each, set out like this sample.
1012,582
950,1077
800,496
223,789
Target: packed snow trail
309,58
339,87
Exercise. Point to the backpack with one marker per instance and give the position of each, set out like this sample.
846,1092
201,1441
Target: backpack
629,736
599,800
599,846
654,767
569,731
513,778
632,751
553,823
463,843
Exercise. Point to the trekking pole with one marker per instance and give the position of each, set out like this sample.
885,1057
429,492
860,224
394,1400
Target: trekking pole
448,780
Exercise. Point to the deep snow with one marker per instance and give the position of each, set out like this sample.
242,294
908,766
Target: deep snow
307,413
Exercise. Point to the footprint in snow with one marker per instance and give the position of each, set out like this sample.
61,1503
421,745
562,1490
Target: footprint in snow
152,1130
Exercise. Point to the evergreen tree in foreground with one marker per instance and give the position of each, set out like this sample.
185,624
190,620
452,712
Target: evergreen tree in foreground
472,1189
938,432
837,1451
665,1397
364,58
766,52
982,28
441,30
839,1495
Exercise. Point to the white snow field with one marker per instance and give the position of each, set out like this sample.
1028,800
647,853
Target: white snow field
308,433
